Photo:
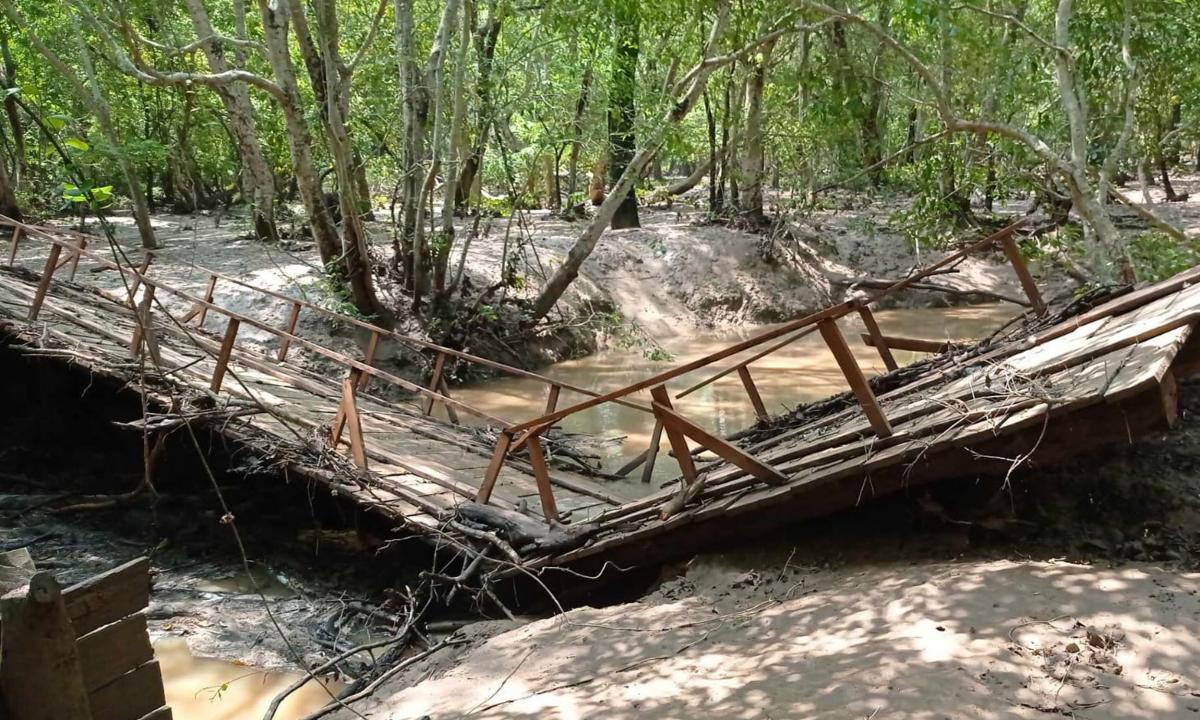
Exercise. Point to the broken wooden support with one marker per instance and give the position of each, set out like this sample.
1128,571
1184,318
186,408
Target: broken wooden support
760,409
552,394
348,418
450,411
137,283
16,243
40,674
74,255
503,442
1013,251
435,382
885,353
652,451
921,345
662,401
369,359
854,377
285,341
208,298
541,474
43,287
143,328
724,449
231,331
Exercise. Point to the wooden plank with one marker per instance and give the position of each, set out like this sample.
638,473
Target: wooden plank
16,242
723,448
756,401
113,650
208,298
358,448
109,596
285,341
131,696
854,377
450,411
39,664
218,377
877,337
542,474
911,344
683,455
137,283
369,359
163,713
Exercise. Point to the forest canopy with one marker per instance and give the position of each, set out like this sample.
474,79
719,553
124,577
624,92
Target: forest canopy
324,114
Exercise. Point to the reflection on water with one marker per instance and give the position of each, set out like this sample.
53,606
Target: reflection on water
799,373
268,584
212,689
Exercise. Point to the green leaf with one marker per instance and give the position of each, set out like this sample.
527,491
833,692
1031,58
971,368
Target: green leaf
78,144
57,122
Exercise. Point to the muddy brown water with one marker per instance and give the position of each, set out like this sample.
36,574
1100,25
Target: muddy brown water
801,372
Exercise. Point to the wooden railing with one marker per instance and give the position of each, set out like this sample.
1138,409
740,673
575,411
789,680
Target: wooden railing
680,429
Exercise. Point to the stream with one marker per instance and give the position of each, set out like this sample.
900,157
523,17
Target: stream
801,372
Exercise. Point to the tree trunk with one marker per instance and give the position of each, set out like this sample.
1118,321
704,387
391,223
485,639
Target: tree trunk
753,161
585,86
455,156
8,194
258,182
10,110
485,52
621,109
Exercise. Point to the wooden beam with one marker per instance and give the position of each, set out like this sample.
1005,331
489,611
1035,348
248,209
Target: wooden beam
450,411
541,473
652,451
131,696
285,340
435,382
662,401
39,296
39,663
503,441
854,377
141,323
760,409
876,335
724,449
113,650
231,331
1027,283
372,346
208,298
552,394
137,283
921,345
16,242
358,448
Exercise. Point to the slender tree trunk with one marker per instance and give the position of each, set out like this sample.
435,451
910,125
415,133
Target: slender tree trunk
753,161
622,114
8,193
258,182
455,155
485,52
11,111
585,86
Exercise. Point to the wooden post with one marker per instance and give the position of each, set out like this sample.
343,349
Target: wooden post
450,411
541,473
137,281
231,331
141,325
885,353
39,296
40,674
652,451
208,298
76,255
286,341
854,377
372,345
16,242
435,382
724,449
1027,283
679,445
349,413
760,410
503,441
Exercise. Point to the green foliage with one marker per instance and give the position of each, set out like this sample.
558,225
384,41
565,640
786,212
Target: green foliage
1157,256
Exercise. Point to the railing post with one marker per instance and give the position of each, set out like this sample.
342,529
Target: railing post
39,295
854,377
141,326
678,442
348,418
450,411
208,298
372,346
231,331
137,278
652,451
286,341
503,441
77,253
1027,282
435,382
760,409
541,473
868,318
16,241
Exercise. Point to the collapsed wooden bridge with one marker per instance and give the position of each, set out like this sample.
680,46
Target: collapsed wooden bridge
1059,385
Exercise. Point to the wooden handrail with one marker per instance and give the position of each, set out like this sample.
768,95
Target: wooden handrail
341,317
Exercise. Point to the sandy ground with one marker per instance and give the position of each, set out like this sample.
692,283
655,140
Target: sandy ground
982,639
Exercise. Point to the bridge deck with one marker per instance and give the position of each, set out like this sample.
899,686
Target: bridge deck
1101,377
